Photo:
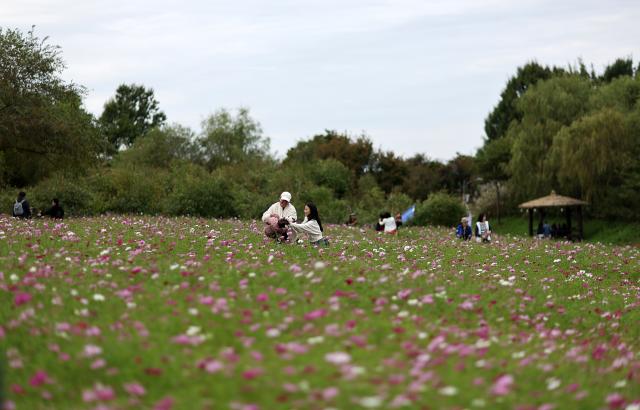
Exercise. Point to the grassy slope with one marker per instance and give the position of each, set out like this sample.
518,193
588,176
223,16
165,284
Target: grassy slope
610,232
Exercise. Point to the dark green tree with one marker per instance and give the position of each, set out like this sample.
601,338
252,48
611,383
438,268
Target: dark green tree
43,125
620,67
131,114
497,122
493,161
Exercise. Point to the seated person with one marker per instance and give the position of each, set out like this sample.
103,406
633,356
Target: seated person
398,220
311,226
276,217
56,211
464,230
483,231
21,208
388,223
353,220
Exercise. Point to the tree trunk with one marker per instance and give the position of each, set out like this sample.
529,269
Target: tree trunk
498,201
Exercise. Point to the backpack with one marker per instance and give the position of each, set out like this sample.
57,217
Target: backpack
17,208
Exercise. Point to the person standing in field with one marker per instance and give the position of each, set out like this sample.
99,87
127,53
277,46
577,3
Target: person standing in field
277,216
311,226
21,208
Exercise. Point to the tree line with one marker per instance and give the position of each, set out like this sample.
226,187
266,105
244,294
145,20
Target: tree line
568,129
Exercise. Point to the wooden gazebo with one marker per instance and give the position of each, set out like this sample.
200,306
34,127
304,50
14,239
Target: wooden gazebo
556,201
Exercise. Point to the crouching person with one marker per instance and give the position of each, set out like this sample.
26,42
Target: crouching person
278,216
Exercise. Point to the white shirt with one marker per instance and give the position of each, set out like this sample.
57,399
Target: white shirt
310,228
482,227
288,213
389,224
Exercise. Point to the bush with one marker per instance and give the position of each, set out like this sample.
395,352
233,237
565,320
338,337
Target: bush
130,190
439,209
196,192
331,209
75,195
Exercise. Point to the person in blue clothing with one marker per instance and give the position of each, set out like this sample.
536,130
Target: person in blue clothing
464,230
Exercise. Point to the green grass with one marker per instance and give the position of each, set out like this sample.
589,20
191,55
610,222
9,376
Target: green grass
595,230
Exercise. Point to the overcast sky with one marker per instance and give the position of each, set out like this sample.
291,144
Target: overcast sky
415,76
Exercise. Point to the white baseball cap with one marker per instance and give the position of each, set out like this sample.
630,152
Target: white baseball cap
286,196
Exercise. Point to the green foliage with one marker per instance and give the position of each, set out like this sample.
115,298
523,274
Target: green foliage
331,210
439,209
160,147
355,154
498,121
198,193
547,107
620,67
131,114
75,195
398,202
228,139
129,189
43,126
332,174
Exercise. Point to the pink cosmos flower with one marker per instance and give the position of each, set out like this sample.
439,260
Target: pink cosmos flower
134,389
502,385
21,298
39,378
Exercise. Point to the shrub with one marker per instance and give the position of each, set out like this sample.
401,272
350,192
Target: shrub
198,193
439,209
75,195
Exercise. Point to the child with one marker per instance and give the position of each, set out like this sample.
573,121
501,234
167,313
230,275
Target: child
389,223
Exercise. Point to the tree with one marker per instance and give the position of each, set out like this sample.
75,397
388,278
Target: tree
160,147
493,161
226,139
131,114
497,122
43,126
545,109
355,154
424,176
389,170
620,67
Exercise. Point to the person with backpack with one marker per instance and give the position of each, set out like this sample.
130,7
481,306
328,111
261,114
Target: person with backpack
21,208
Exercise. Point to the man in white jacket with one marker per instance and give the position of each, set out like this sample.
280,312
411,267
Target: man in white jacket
282,209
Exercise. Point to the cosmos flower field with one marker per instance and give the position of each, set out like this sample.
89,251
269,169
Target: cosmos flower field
183,313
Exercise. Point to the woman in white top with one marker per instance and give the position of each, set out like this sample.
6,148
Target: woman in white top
311,226
483,232
388,222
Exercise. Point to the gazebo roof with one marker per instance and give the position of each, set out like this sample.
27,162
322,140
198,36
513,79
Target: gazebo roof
552,200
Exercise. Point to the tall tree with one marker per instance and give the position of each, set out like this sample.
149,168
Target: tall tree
132,113
497,122
227,139
493,161
43,125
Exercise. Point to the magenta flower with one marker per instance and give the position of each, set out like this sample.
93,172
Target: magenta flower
502,386
21,298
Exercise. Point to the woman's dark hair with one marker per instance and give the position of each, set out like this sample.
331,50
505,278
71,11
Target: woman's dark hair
481,217
385,215
56,201
313,214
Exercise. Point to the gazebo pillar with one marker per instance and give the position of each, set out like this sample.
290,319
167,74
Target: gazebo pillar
569,233
580,229
530,210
